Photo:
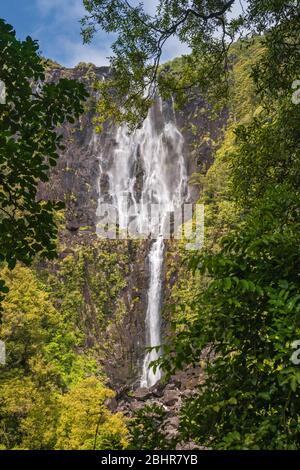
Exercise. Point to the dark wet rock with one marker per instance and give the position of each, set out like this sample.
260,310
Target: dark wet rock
171,397
142,394
76,179
173,422
112,404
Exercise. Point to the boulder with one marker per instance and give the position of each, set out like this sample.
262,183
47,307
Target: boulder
142,394
171,397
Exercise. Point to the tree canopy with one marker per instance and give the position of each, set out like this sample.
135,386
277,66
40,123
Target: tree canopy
234,307
208,27
30,117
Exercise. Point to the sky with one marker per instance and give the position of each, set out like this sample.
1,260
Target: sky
55,24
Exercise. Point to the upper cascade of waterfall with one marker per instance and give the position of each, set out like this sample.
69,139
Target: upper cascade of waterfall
144,168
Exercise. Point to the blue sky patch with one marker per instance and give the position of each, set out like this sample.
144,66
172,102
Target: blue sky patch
55,24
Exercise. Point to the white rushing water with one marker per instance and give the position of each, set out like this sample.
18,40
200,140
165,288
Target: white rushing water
141,169
153,317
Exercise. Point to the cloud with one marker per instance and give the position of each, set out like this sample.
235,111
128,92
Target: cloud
61,10
59,33
174,48
76,52
61,40
150,6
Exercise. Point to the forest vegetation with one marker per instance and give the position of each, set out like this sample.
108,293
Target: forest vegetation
238,298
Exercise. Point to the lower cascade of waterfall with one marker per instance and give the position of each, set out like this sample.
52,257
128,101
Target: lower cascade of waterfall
143,169
153,317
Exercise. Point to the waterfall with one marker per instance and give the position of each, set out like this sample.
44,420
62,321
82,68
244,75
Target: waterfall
153,317
141,169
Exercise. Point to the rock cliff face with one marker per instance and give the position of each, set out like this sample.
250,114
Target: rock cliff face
78,180
76,177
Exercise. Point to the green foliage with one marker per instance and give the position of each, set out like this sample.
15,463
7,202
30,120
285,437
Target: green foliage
85,423
243,100
29,380
148,430
245,310
249,316
85,286
28,147
237,302
139,46
206,27
268,152
46,382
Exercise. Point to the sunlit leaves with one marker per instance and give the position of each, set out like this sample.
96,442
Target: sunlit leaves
29,147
